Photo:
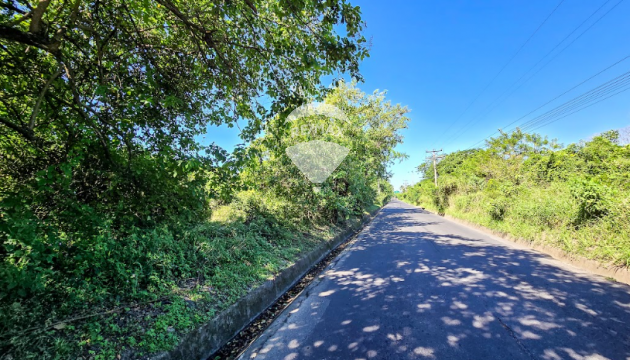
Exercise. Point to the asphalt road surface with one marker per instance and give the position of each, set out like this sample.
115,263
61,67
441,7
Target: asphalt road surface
417,286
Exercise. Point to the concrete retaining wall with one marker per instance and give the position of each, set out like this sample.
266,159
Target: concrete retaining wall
205,340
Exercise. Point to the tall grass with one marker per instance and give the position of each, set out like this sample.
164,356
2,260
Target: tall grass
575,199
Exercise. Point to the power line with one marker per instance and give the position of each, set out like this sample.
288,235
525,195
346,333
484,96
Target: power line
608,97
593,94
510,91
590,100
503,68
555,98
564,93
581,102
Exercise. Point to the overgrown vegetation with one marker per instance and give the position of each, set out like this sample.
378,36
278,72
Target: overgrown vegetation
574,198
118,230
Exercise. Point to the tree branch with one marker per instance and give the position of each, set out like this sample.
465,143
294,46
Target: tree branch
36,26
15,35
31,124
27,134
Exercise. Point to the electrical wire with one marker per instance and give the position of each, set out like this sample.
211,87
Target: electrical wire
608,97
511,91
592,96
576,102
502,69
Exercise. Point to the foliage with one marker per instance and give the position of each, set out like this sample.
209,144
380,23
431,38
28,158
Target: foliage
117,229
591,198
101,101
113,257
528,186
371,133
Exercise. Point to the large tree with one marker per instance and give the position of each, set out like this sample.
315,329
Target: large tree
105,85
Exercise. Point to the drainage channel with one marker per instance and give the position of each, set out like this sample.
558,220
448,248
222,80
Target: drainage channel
238,344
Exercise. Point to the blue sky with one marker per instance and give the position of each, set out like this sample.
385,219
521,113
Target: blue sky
436,57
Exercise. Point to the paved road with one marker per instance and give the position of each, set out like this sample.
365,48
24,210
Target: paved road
417,286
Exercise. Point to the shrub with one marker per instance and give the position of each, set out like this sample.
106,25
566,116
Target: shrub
592,200
574,198
497,208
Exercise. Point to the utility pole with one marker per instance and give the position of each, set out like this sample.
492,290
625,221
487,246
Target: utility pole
435,158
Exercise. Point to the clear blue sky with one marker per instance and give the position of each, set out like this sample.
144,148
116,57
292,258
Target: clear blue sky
436,56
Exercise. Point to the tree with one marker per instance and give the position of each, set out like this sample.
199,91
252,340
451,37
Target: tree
518,144
612,136
107,97
101,179
371,134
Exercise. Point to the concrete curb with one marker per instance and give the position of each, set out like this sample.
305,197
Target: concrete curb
205,340
618,273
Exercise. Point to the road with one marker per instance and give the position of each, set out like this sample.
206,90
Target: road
417,286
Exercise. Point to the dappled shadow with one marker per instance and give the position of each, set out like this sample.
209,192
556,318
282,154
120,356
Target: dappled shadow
416,286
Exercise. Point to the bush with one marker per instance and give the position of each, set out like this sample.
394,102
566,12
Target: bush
574,198
591,198
497,208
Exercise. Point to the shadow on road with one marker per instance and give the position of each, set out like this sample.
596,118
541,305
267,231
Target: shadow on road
406,292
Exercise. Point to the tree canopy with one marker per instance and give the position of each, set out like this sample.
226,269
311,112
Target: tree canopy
101,100
106,197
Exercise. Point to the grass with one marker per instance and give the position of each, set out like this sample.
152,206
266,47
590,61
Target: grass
235,261
546,215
